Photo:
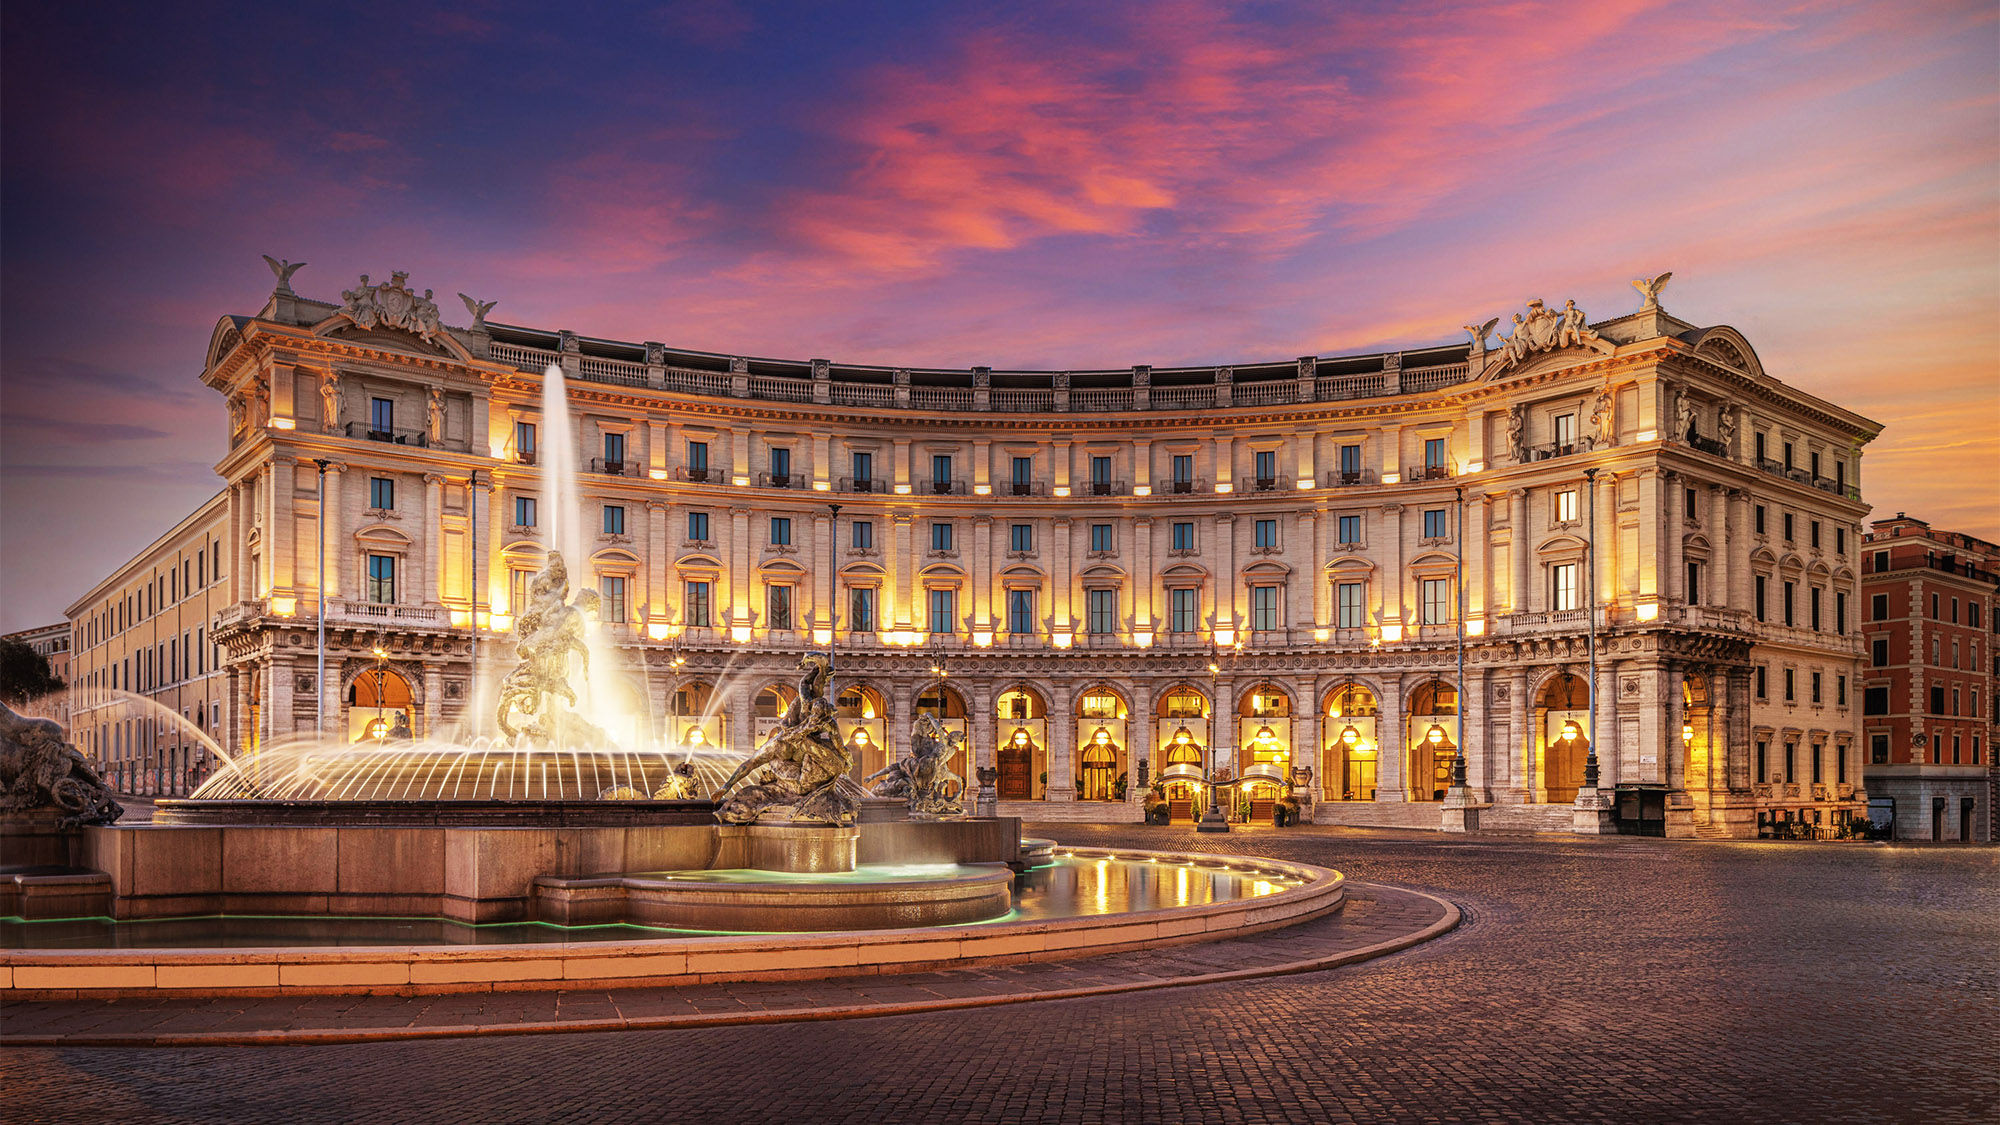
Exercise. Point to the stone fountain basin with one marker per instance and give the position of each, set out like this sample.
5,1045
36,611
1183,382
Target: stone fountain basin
872,897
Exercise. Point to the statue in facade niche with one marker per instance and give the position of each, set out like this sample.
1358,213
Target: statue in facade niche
1603,420
1726,430
1517,424
434,414
40,770
924,777
1683,416
548,631
329,401
801,764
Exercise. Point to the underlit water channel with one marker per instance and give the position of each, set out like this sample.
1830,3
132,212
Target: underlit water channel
1068,887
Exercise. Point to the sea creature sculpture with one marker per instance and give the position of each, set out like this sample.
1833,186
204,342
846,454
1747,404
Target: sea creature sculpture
40,770
802,764
924,777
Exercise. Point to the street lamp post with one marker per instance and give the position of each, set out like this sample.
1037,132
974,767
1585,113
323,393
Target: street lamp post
833,590
1458,783
1590,579
1213,820
319,675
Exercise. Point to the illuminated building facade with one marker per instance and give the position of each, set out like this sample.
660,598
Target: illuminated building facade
1094,574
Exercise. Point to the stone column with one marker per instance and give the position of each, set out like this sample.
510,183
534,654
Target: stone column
825,583
983,724
434,541
1651,525
1227,591
1302,612
242,517
1062,743
658,521
1610,584
742,732
1520,737
492,542
1476,539
1389,596
1673,584
742,570
1742,578
1062,574
1479,767
1315,572
1520,552
278,720
1392,750
1721,524
1145,586
902,576
982,571
1615,760
433,699
339,545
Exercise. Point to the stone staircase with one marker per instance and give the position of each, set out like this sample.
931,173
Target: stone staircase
1527,818
1074,812
1713,830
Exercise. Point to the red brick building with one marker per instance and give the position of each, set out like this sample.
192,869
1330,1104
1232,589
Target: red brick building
1929,713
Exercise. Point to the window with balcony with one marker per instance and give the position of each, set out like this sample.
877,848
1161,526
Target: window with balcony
1103,616
697,460
1183,610
1100,539
697,527
1788,455
695,605
862,466
1763,447
1263,608
382,578
1022,475
781,531
1021,538
1563,430
1349,530
944,611
1563,592
381,493
941,472
1437,523
524,442
1348,596
1265,467
1264,534
1183,469
861,535
611,590
778,607
614,519
381,417
861,609
1100,475
1350,464
524,511
1021,612
1434,458
941,537
1437,607
1182,536
614,453
1566,506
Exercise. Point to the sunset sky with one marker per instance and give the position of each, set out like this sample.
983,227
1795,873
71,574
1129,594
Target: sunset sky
1016,185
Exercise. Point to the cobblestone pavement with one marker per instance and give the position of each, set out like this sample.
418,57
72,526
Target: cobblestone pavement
1615,980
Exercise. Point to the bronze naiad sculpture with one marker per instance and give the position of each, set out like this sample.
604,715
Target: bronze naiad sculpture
801,764
38,770
924,778
547,632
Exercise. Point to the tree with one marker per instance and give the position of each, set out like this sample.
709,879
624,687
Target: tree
24,673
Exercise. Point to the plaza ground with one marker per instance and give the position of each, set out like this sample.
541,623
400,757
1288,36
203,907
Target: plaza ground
1591,979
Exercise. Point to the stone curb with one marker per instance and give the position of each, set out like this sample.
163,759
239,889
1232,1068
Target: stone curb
1450,921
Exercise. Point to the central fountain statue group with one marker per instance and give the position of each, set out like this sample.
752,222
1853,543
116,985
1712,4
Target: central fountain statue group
802,766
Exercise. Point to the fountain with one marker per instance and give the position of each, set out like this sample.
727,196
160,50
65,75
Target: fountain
545,817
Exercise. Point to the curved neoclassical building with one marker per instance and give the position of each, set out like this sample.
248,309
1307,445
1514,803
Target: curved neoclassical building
1097,575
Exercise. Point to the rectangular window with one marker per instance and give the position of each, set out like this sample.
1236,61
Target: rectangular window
1818,750
613,591
1878,749
1762,590
781,466
1103,612
1788,454
1791,685
1817,696
1183,536
1266,467
382,415
941,471
1350,462
1352,612
1100,473
1934,608
696,605
1563,592
698,527
1840,691
518,584
1791,603
1021,537
1813,460
1433,454
1694,583
862,466
1839,540
777,607
1954,611
1757,519
698,459
1812,606
1263,608
614,451
382,578
614,519
1788,527
941,537
1565,432
1566,506
1023,473
1184,610
1437,523
1763,753
1184,471
381,493
861,609
1881,561
524,441
781,531
1763,445
1763,682
1879,607
524,511
1437,601
1812,532
1879,647
1021,612
1688,502
1840,612
1791,761
1265,533
861,535
1350,530
1100,538
944,611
